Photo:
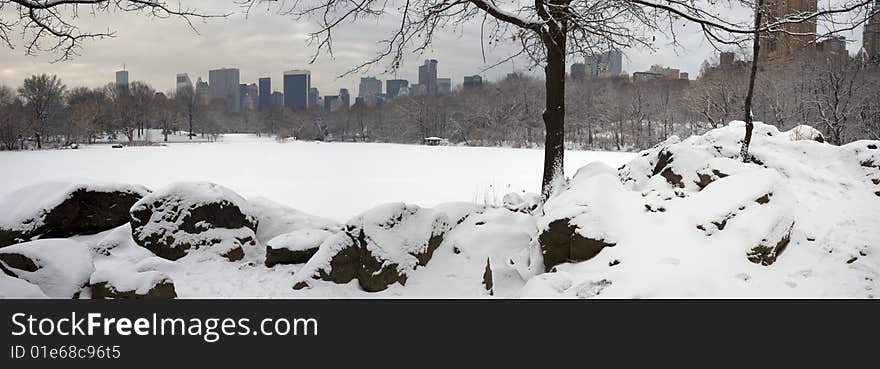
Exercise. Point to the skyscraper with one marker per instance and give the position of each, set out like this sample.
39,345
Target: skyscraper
296,88
330,102
607,64
793,38
183,84
871,35
344,98
277,99
203,92
314,95
472,81
265,93
223,85
370,90
249,96
428,76
444,86
122,81
393,86
578,71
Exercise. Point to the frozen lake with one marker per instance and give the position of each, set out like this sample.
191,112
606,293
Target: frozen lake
335,180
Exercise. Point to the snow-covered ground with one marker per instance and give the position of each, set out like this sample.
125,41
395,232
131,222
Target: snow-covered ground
687,218
334,180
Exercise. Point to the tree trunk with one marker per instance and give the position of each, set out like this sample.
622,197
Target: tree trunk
554,114
756,48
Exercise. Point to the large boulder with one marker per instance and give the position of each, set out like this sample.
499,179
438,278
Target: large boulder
61,268
276,219
117,284
586,217
296,247
64,209
184,217
378,248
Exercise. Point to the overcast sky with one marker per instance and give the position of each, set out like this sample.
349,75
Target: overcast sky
267,44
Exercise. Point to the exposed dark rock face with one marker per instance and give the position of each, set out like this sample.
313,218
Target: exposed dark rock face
162,290
84,211
379,247
766,253
284,256
487,278
561,243
170,226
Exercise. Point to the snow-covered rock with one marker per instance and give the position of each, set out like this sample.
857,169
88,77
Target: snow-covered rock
688,218
275,219
296,247
378,248
15,288
122,284
60,267
63,209
187,216
522,203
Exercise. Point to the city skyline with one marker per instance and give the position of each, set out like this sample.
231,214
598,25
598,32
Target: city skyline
266,45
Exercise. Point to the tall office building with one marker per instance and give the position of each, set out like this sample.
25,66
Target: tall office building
249,96
223,85
330,103
314,96
296,88
265,93
607,64
370,90
871,35
277,99
794,38
393,86
428,76
472,81
183,84
122,81
203,92
444,86
344,98
578,71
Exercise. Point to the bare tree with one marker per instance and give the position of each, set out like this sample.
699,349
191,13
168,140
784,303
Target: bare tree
54,25
44,97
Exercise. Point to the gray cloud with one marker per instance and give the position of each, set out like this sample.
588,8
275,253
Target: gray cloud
266,44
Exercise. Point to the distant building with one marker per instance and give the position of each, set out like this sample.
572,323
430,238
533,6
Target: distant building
296,88
871,35
472,81
578,71
370,90
331,103
646,76
793,38
183,84
428,76
203,92
159,95
444,86
122,81
393,87
344,98
726,59
671,73
265,93
607,64
249,96
224,85
314,96
277,99
833,47
684,75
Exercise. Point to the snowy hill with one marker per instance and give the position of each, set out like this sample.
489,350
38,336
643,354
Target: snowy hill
687,218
